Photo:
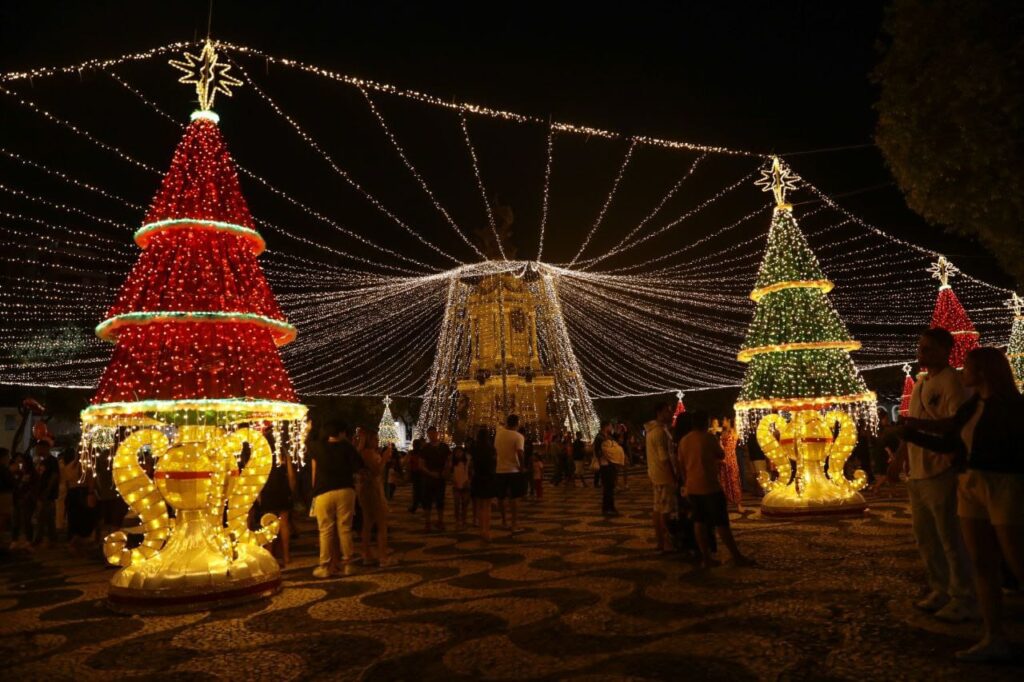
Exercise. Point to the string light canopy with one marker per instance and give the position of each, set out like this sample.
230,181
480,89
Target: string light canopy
682,270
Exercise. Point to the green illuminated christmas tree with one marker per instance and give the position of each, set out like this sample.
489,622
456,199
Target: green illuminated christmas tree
797,347
1015,347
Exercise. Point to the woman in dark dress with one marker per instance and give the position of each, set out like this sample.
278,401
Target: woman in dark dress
79,502
482,486
277,498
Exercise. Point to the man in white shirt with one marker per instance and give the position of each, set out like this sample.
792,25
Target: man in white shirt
933,485
510,446
659,469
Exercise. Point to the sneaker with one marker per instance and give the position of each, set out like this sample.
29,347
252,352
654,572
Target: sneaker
958,611
322,572
933,602
986,651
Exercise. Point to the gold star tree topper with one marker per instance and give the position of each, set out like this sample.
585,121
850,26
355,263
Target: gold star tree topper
1016,304
777,180
942,270
205,71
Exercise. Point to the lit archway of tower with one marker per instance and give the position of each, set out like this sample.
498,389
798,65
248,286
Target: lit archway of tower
504,349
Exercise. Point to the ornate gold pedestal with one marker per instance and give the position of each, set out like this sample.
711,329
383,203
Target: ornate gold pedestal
205,556
817,485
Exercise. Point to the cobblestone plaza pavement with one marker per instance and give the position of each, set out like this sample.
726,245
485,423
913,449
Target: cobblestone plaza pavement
575,596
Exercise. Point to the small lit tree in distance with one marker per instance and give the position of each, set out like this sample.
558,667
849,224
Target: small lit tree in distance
908,390
680,408
387,434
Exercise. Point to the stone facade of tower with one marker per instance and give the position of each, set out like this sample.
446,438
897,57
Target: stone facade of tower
505,374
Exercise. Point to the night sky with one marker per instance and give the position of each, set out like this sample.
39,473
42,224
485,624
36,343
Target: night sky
761,76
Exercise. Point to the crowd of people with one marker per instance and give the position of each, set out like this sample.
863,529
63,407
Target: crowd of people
45,499
960,452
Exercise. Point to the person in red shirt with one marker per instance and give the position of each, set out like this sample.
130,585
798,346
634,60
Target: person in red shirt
699,457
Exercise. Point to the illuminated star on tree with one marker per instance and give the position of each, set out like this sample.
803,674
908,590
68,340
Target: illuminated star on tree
906,368
777,180
207,74
942,270
1016,304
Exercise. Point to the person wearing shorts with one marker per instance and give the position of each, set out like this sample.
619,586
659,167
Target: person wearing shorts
987,434
699,455
660,471
435,467
510,481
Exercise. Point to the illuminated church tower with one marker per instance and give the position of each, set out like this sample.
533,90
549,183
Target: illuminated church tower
504,375
504,349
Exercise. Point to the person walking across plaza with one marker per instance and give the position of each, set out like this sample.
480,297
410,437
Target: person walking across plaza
605,449
46,493
932,486
334,497
658,444
700,456
579,460
510,449
435,465
538,477
460,486
414,465
987,433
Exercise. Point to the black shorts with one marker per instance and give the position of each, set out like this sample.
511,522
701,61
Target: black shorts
710,509
432,493
511,485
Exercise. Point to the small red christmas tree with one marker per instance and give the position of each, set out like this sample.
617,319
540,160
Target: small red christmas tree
950,315
908,390
680,408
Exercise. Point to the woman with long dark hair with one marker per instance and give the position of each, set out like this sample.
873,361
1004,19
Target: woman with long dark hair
987,436
483,485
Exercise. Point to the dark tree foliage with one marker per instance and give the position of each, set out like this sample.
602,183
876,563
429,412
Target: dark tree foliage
951,117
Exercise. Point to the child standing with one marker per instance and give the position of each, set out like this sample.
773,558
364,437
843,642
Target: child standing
538,477
460,486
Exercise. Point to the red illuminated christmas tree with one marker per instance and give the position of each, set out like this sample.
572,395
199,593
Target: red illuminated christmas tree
680,408
196,325
908,390
950,315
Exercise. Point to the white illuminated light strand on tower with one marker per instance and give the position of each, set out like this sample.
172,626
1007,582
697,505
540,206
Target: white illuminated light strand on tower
416,174
607,202
547,187
297,204
657,209
480,186
343,174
